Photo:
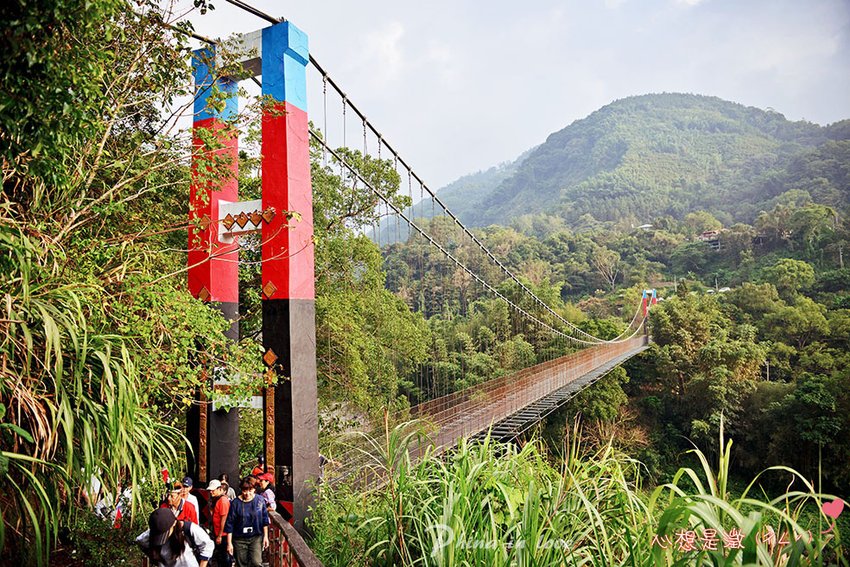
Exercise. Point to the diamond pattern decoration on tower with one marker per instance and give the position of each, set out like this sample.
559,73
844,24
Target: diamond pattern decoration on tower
204,294
256,218
229,221
268,214
242,220
269,289
270,357
204,222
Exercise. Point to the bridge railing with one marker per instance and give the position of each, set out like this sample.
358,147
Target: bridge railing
286,546
477,408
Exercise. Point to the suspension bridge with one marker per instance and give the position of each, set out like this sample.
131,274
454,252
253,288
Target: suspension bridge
278,60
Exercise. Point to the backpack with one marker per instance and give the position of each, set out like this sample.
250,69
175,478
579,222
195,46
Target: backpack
187,532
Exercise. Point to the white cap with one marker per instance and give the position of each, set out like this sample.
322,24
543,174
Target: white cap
215,483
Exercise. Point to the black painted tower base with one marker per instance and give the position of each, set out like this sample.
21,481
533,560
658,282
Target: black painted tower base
215,446
289,330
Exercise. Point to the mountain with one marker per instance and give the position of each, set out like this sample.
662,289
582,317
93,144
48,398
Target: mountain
661,154
459,196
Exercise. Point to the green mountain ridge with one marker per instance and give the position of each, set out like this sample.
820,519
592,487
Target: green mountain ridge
661,154
460,196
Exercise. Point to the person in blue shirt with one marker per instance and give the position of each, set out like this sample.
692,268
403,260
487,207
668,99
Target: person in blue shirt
247,527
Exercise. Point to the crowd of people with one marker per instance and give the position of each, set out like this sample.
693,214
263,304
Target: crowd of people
227,530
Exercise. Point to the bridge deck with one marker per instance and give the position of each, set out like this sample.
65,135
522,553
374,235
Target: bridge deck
505,406
513,403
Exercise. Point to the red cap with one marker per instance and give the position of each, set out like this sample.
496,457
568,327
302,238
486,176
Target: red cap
267,477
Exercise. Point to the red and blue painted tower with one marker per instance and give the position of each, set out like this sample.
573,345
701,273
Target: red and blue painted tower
213,263
289,314
280,55
648,299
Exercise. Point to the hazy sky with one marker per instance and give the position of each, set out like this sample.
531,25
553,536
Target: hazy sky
459,86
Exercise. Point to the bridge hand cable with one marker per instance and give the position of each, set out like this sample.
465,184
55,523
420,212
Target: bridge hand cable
366,124
439,247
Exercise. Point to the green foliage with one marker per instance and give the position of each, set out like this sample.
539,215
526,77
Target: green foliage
97,543
493,504
101,344
251,441
603,400
789,275
70,65
704,501
667,154
487,504
73,391
367,340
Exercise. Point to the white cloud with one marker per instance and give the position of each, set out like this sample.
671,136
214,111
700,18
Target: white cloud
382,52
457,88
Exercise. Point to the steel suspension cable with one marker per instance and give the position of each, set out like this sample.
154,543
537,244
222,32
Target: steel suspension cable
442,249
366,124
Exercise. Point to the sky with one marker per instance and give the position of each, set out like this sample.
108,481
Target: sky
459,86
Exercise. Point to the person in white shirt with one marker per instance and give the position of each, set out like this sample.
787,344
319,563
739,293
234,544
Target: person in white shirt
225,481
266,491
171,543
187,494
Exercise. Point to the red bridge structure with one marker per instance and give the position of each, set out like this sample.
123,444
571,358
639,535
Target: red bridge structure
504,407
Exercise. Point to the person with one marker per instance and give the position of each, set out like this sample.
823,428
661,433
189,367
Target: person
267,493
187,492
220,505
260,467
247,527
225,483
169,542
228,490
182,509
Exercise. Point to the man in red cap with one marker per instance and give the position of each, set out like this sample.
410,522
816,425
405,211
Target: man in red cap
266,491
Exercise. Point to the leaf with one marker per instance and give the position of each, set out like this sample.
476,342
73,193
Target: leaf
20,432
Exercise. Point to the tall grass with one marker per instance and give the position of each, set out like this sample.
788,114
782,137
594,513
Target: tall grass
495,504
700,500
68,399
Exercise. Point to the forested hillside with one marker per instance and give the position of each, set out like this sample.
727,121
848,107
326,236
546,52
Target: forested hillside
742,227
669,154
460,196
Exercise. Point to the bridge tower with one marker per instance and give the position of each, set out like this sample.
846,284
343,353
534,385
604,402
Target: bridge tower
280,54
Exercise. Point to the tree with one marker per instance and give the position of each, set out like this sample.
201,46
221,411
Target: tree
607,264
702,221
689,257
515,354
704,361
368,340
800,323
101,341
601,401
790,276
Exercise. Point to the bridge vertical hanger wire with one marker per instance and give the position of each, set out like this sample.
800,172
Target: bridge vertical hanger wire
333,84
445,253
422,300
325,118
344,105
